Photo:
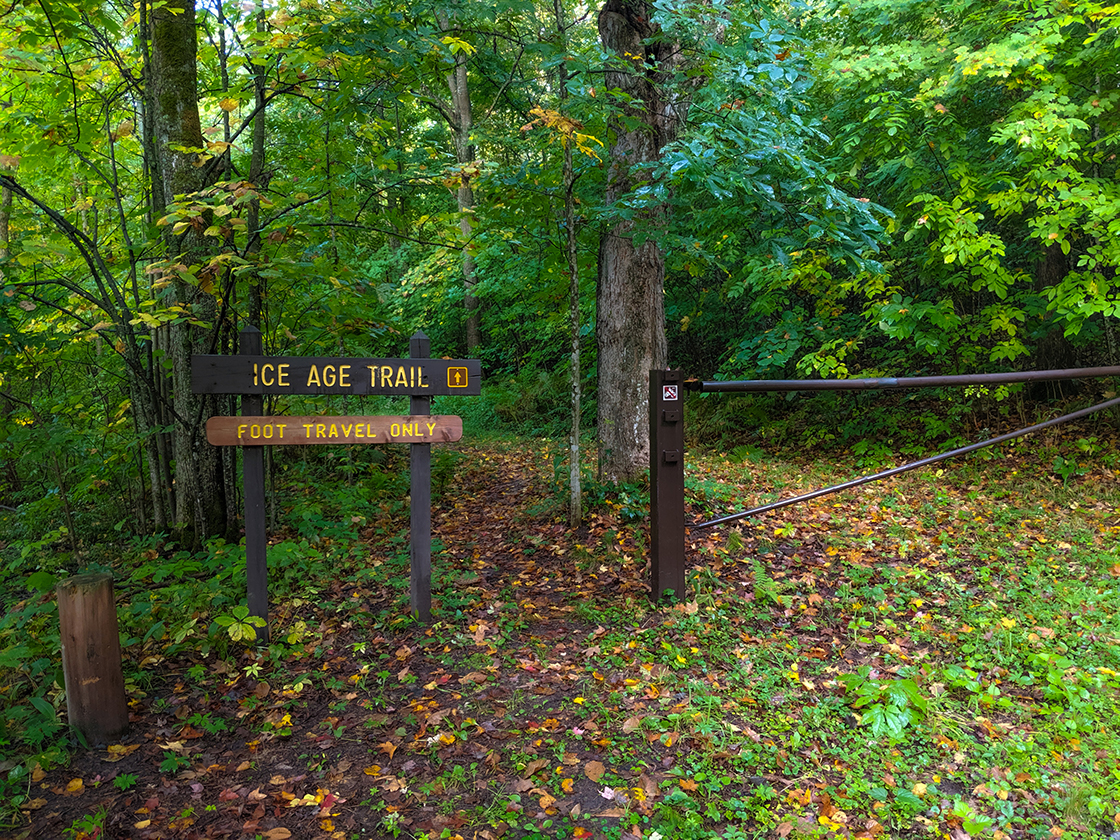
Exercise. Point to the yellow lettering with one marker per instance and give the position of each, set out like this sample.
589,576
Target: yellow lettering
372,375
255,431
334,431
412,377
241,431
369,431
402,380
307,430
423,378
346,430
320,430
395,430
269,431
358,431
328,376
386,376
313,376
344,376
431,429
254,373
265,371
281,426
282,378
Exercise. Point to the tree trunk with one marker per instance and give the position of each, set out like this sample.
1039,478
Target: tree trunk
575,488
200,500
5,220
630,326
259,181
465,155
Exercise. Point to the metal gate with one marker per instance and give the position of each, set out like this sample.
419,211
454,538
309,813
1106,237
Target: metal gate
666,453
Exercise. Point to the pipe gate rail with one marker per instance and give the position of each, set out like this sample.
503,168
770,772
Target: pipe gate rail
666,453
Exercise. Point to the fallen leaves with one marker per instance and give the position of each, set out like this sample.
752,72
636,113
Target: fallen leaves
594,770
116,752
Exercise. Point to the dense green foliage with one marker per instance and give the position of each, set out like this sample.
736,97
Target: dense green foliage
857,187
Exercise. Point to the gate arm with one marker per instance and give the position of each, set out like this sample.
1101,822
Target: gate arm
925,462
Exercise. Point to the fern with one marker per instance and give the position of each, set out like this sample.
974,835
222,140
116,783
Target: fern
768,589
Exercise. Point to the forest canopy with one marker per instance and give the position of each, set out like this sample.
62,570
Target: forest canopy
821,189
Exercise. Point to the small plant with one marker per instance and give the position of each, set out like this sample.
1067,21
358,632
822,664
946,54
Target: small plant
891,706
768,589
972,822
207,722
240,625
1067,468
173,763
88,827
125,781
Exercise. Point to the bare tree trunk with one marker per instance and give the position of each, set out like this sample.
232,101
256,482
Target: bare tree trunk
571,252
630,326
465,155
257,179
5,220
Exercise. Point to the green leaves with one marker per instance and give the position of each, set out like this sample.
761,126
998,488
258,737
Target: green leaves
891,705
240,625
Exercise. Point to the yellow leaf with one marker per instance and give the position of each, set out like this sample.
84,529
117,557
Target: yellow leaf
118,751
388,747
688,784
75,786
327,826
142,824
567,785
228,104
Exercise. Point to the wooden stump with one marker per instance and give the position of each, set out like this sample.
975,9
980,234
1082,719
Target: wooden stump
91,657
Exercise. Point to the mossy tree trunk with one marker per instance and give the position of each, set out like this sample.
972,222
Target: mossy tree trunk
200,508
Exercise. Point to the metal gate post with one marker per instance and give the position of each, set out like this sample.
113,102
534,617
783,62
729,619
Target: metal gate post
666,483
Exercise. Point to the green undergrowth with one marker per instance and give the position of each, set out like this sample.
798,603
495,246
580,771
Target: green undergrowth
173,600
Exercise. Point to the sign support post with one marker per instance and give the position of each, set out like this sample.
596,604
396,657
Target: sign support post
420,501
666,483
256,533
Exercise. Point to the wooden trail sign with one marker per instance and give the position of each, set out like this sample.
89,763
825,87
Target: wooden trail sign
252,374
256,374
299,431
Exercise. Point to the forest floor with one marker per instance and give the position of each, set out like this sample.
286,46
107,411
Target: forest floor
932,656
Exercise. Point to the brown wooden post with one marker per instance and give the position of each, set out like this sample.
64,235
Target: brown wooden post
256,525
666,483
91,657
420,503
